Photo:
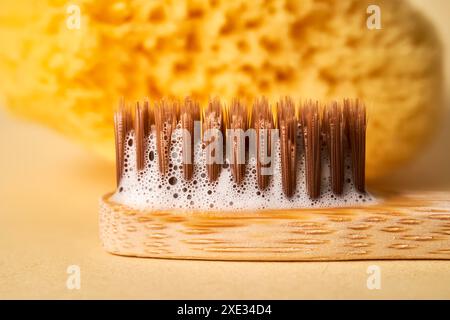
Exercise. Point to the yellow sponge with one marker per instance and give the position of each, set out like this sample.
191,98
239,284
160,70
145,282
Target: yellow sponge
70,79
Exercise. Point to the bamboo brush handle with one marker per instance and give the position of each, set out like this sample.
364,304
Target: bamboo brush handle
403,226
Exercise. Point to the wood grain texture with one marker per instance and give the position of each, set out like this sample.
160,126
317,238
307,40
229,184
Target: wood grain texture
402,226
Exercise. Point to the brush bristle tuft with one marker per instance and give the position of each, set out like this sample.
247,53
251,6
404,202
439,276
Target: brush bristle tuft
339,129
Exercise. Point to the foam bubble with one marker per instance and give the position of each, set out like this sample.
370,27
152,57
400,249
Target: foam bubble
148,189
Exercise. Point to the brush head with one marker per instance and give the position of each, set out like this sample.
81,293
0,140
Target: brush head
309,149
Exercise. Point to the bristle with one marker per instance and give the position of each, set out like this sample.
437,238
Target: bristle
263,123
236,127
287,123
311,138
151,116
355,115
165,123
213,123
189,112
122,125
141,129
342,128
119,142
333,127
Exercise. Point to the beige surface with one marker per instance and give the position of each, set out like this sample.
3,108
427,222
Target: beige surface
49,190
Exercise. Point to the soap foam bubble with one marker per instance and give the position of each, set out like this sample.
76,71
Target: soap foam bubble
148,189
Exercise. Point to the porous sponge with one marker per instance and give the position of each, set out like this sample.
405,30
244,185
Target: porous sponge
72,79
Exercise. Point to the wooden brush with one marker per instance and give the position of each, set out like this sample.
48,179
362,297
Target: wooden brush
279,186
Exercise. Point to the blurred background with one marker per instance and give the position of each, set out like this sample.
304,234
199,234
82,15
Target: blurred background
430,169
59,84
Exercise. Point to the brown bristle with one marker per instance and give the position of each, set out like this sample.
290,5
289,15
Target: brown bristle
263,123
343,129
119,143
141,129
333,127
189,113
311,139
165,123
287,123
355,115
122,125
213,122
236,127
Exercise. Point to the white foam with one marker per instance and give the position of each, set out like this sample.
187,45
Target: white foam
149,190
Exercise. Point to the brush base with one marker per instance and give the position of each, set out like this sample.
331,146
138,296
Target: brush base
403,226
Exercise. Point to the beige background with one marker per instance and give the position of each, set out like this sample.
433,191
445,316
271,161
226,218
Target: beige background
49,189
